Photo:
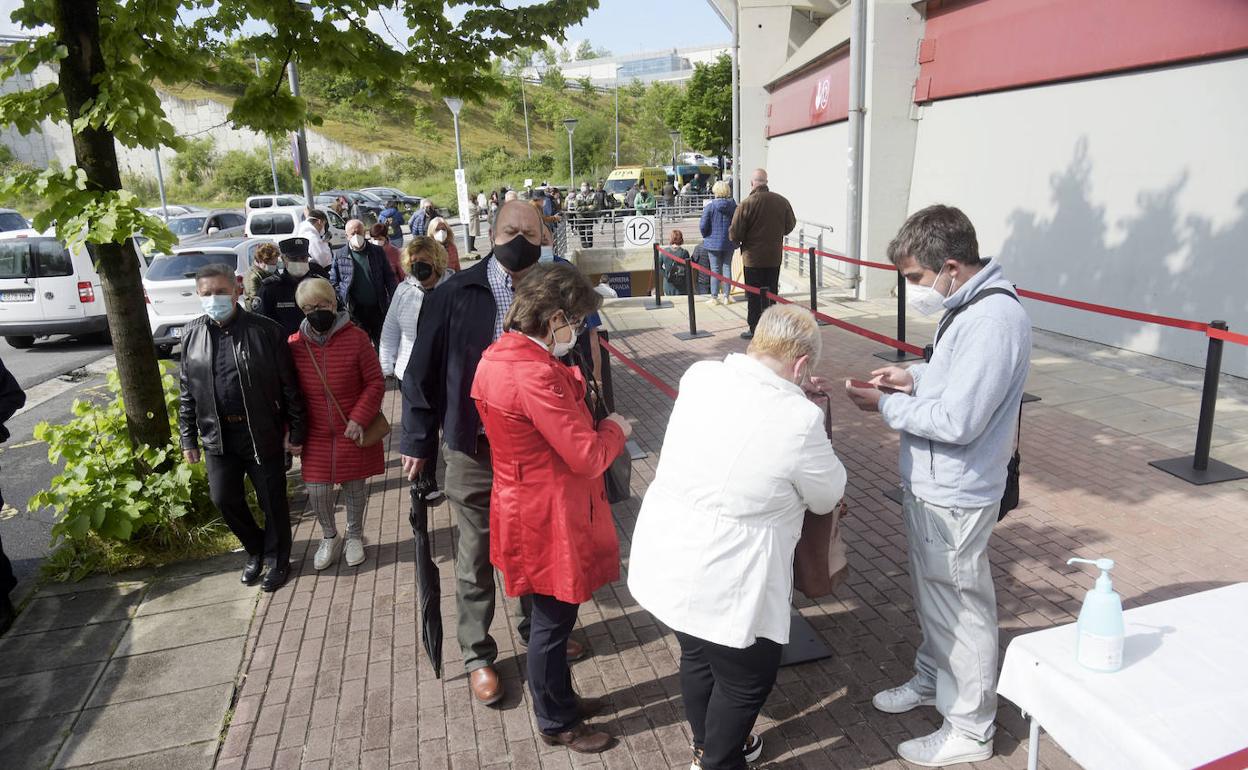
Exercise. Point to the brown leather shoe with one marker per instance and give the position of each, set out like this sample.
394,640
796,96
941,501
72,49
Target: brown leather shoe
576,650
582,739
591,707
485,685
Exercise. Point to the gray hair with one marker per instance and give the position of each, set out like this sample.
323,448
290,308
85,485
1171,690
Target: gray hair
216,270
786,333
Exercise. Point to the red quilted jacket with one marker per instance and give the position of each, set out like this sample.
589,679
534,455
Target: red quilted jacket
551,530
350,365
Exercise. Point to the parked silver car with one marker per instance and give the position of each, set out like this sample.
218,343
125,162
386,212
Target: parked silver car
202,225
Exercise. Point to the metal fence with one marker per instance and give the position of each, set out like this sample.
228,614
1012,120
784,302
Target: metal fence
605,228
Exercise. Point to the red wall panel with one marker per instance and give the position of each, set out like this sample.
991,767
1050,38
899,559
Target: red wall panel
976,46
819,97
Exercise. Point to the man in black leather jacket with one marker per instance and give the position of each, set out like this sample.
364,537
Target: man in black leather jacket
240,399
12,397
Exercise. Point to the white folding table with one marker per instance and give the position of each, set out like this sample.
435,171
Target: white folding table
1179,701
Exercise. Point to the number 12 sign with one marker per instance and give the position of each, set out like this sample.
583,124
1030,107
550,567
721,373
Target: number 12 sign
639,231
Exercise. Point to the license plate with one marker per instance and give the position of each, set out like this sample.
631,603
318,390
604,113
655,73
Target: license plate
176,332
17,295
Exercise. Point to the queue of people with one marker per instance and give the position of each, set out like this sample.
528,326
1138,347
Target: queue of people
499,368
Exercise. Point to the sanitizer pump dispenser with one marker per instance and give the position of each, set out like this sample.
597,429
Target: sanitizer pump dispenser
1101,630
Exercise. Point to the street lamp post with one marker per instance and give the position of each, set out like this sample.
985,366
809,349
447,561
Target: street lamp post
570,124
461,181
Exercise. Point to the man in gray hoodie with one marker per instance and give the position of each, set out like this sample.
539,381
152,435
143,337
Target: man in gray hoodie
958,418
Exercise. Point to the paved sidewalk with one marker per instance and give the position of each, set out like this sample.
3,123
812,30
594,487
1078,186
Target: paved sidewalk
129,671
335,675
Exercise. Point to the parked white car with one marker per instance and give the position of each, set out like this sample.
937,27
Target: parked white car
271,201
46,289
275,222
207,225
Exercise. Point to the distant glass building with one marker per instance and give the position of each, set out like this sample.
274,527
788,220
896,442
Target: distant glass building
674,65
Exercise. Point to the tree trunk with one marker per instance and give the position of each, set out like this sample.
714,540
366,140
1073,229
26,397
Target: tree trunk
77,24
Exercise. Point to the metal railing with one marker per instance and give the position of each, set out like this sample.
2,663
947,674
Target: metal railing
605,228
805,235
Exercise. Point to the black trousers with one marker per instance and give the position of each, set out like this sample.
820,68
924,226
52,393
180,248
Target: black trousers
371,319
759,276
550,676
225,484
472,243
723,689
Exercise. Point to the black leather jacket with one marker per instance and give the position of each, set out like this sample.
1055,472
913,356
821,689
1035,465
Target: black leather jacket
271,394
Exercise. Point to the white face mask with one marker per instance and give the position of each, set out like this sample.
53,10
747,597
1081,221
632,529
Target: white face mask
376,241
548,254
561,349
356,242
440,236
297,269
925,300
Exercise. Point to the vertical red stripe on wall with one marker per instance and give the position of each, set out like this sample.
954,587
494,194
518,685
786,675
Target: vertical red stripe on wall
815,98
976,46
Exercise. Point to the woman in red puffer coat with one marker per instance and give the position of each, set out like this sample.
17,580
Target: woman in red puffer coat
551,531
339,409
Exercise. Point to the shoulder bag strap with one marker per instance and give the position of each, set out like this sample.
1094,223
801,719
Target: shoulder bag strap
324,382
947,321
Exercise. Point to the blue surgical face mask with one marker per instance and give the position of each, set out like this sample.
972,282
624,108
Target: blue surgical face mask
548,254
219,307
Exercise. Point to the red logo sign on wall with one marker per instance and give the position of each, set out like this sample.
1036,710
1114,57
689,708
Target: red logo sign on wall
819,105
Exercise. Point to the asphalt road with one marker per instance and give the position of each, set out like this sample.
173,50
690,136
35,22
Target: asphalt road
49,358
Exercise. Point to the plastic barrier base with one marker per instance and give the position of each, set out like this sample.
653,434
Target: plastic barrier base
897,356
804,644
1029,397
661,306
695,336
1216,472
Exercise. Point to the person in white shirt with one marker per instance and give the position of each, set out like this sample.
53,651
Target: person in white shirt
314,227
712,554
424,262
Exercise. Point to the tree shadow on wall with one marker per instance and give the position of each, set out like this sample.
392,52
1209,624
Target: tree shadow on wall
1155,260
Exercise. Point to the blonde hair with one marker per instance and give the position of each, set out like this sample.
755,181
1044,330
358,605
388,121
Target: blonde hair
721,189
787,332
310,289
423,244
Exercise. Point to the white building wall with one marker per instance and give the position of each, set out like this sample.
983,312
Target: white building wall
1129,191
809,169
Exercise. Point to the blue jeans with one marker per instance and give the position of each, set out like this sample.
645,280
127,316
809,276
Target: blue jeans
721,263
397,241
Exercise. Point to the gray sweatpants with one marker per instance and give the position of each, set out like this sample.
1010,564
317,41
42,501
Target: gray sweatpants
322,498
956,603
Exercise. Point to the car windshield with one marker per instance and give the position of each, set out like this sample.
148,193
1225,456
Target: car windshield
11,220
619,185
370,197
179,267
272,224
187,226
34,258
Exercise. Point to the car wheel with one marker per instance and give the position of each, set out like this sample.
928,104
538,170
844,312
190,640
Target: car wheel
21,343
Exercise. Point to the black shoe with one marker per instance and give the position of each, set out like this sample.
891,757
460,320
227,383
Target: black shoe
747,335
7,613
275,578
251,573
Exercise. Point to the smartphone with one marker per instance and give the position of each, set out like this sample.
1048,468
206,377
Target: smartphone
868,385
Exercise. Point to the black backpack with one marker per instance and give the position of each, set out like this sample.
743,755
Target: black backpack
1009,499
676,275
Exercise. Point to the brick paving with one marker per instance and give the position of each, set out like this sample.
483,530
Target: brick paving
335,674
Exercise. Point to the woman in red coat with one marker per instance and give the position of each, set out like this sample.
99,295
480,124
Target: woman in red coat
343,387
551,532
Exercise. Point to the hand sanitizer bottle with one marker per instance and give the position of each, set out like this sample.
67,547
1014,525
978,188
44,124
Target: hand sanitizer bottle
1101,630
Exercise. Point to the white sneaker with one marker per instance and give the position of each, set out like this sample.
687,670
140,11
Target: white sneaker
727,300
946,746
355,551
712,300
327,552
899,700
753,748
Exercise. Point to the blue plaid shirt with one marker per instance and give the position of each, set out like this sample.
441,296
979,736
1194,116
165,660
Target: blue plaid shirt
504,292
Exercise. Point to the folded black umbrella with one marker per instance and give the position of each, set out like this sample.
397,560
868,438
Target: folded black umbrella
427,578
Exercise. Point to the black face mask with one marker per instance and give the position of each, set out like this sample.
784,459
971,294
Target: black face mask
422,270
322,320
517,254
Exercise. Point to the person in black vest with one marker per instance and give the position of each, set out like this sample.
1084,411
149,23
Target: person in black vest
12,398
277,292
363,280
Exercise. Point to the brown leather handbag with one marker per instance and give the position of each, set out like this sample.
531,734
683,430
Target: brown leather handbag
819,562
376,430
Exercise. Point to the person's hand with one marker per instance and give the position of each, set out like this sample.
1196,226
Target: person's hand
623,422
191,455
893,377
354,431
412,466
296,450
815,385
866,399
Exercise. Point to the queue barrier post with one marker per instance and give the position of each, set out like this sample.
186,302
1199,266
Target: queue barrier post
1199,468
658,280
814,286
691,284
899,355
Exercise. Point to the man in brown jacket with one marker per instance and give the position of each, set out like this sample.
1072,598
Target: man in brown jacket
759,225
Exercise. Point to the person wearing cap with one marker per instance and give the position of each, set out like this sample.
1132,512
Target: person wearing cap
263,265
315,228
277,293
363,280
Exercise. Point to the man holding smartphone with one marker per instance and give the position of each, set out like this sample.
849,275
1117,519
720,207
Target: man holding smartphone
958,419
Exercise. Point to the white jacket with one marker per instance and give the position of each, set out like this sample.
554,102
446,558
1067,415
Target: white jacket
318,250
398,333
744,457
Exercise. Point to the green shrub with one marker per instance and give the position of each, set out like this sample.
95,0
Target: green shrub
117,506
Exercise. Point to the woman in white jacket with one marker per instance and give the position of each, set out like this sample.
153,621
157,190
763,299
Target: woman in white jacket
424,261
712,554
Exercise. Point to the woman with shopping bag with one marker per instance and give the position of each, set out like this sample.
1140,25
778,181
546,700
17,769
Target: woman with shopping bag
713,548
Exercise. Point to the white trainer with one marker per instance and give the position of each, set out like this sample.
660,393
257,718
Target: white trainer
946,746
899,700
355,551
712,300
327,552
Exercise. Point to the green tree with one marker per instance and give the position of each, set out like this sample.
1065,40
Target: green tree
109,55
704,116
592,147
